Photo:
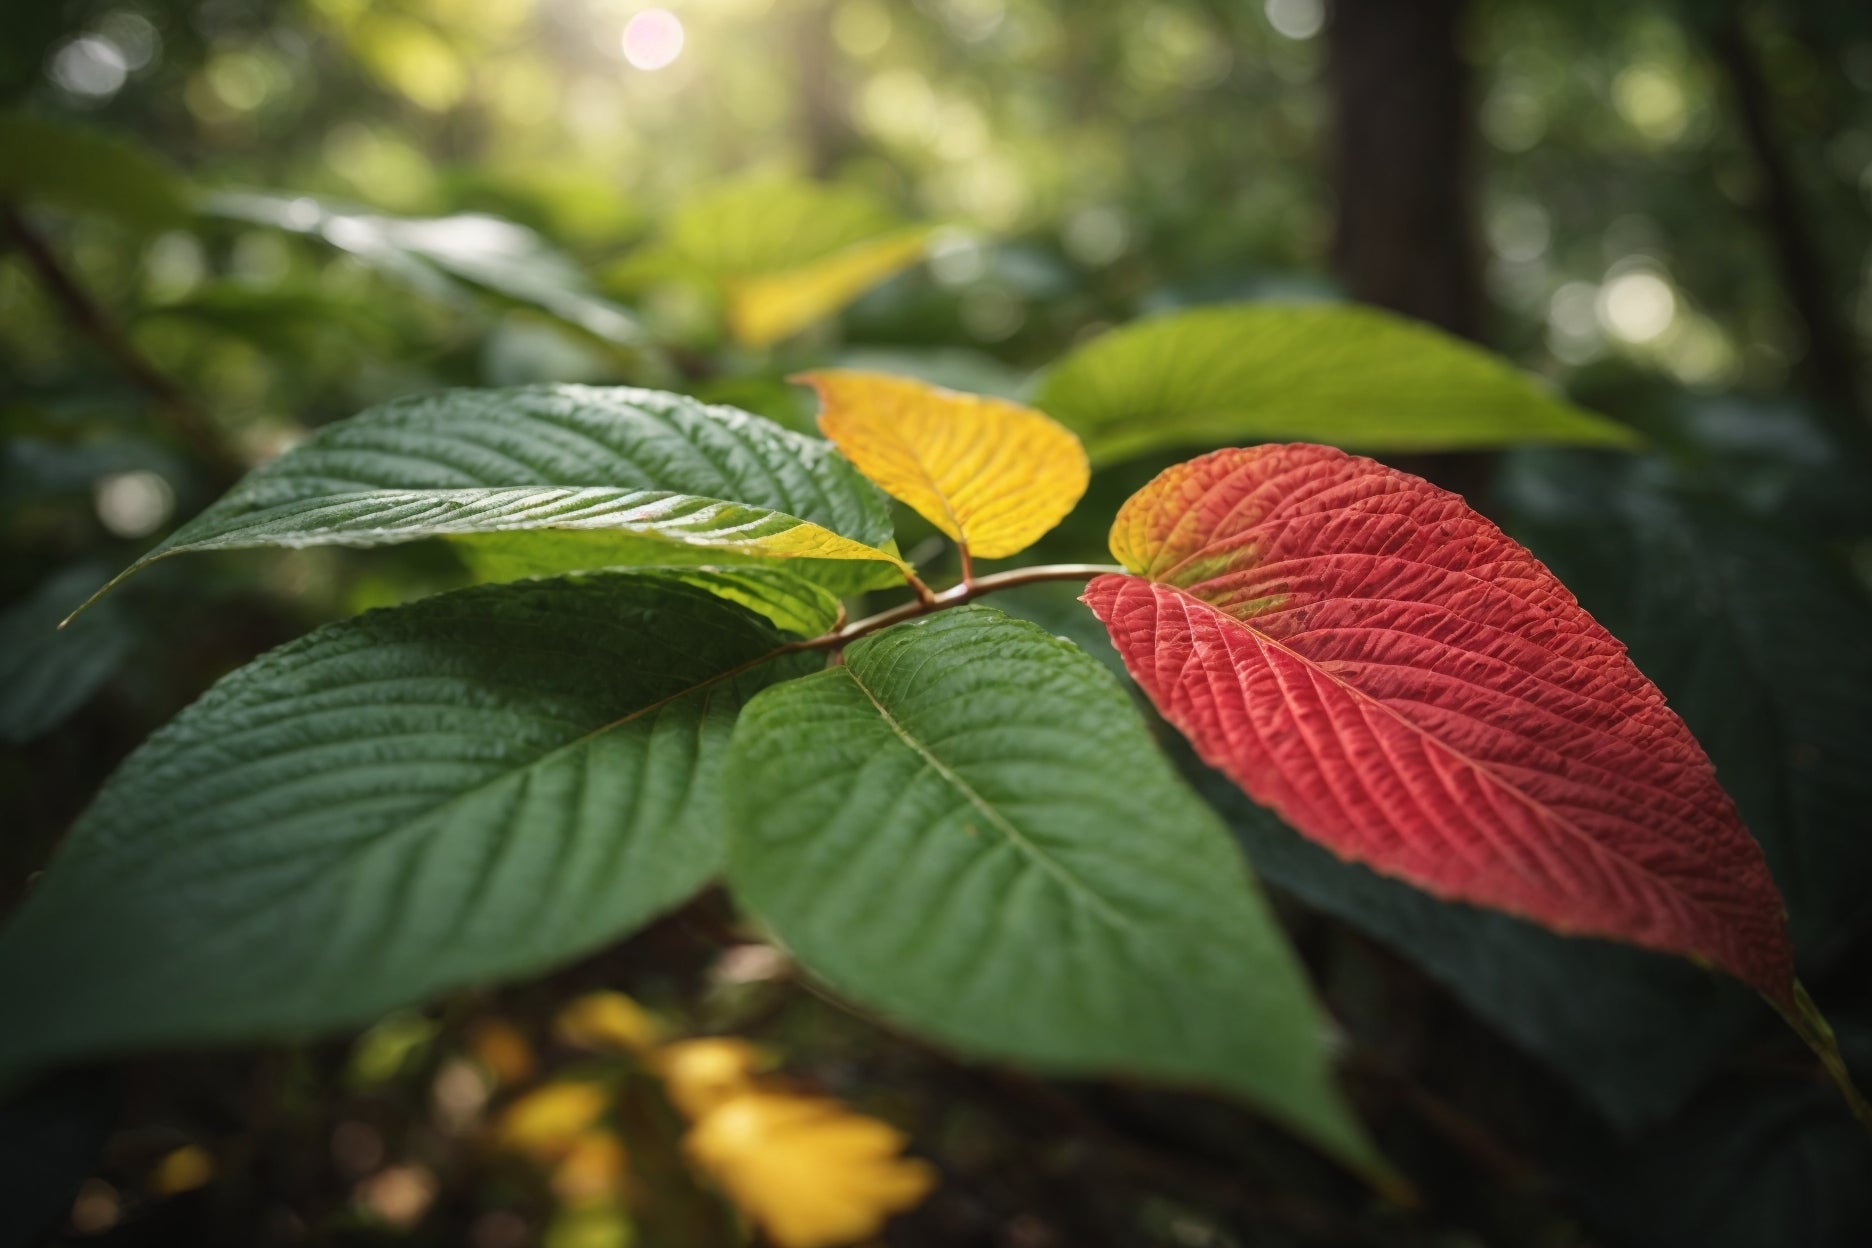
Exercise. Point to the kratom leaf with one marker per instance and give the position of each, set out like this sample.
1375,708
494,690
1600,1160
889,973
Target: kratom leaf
651,477
1340,373
967,828
992,475
766,308
1401,682
434,254
88,170
473,787
791,603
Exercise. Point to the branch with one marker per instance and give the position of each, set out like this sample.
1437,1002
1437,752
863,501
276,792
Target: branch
90,318
955,596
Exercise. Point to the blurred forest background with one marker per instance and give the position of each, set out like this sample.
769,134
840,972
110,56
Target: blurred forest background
229,221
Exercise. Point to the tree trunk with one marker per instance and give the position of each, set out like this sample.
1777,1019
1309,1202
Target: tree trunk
1403,161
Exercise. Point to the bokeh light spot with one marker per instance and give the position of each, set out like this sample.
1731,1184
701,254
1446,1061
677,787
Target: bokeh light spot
653,39
1637,307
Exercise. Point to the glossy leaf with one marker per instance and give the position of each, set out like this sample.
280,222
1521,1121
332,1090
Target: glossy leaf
651,477
473,787
1403,683
967,828
993,475
767,308
1338,373
438,255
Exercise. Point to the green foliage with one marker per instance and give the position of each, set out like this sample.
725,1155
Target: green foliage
89,170
665,479
440,256
476,786
46,674
1344,374
966,828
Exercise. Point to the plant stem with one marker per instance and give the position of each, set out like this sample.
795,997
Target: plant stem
1814,1029
955,596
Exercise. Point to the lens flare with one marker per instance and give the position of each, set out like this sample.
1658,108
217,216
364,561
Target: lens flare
653,39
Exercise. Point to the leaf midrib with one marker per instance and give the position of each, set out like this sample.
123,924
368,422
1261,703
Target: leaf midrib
1039,857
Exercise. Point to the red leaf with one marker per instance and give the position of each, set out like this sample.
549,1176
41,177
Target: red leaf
1406,685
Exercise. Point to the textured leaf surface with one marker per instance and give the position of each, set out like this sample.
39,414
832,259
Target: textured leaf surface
1758,637
1401,682
967,828
1344,374
657,477
769,307
993,475
471,787
791,603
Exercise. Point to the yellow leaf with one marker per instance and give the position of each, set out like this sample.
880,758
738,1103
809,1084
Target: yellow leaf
183,1170
992,474
594,1169
811,1172
767,307
502,1051
606,1022
701,1074
546,1121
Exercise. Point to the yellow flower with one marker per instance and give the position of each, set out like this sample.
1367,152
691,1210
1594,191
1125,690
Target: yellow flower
594,1169
548,1120
502,1050
701,1074
606,1022
811,1172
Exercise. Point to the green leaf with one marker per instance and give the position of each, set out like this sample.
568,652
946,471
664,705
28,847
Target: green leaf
46,674
1343,374
1636,1032
791,603
646,477
87,170
474,787
966,828
433,254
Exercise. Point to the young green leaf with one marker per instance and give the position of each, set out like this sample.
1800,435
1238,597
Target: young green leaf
472,787
993,475
1400,681
1339,373
657,478
967,828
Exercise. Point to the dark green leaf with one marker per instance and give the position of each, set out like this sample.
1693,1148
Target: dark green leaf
46,674
640,476
967,828
474,787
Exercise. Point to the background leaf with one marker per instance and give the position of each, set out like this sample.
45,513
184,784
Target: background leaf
991,474
46,673
967,828
87,170
1340,373
473,787
434,254
1391,674
653,467
767,308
